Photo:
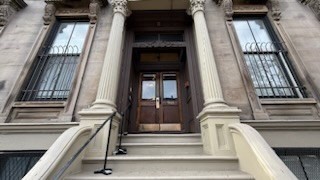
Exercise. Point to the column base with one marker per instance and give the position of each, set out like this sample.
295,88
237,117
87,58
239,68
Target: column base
216,137
94,118
103,104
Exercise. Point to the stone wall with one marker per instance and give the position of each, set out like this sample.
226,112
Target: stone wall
16,42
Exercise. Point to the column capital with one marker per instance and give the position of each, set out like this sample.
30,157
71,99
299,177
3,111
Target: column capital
120,6
196,5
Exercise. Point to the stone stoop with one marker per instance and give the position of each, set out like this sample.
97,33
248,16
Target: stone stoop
163,156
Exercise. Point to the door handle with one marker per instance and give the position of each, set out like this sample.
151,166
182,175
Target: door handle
157,102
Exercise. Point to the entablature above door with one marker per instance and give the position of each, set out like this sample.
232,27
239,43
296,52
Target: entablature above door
158,4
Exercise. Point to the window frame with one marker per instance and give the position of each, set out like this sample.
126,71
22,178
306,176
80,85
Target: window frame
282,55
44,50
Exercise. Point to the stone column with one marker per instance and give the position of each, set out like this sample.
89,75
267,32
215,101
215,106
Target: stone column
208,71
216,115
105,103
107,90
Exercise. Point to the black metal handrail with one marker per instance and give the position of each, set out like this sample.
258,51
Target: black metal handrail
121,150
105,170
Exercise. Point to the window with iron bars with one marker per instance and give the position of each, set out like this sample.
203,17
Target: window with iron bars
266,59
53,70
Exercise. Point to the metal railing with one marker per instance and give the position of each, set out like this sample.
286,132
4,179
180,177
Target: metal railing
105,170
52,74
124,114
270,72
119,151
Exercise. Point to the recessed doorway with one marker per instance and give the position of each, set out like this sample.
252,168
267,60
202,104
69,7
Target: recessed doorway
159,102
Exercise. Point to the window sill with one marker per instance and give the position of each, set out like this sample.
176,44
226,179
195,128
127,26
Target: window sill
292,101
43,104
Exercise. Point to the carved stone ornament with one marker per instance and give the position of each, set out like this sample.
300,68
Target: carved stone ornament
94,9
196,5
228,9
275,9
218,2
49,11
314,5
8,8
121,7
157,44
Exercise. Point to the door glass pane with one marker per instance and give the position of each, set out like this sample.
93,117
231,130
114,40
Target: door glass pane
149,87
170,86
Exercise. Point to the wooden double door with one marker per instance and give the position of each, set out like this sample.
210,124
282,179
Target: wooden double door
159,102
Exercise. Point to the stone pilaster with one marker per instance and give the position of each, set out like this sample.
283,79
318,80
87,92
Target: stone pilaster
105,103
216,115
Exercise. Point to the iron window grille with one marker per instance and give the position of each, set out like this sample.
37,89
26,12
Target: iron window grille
53,70
266,60
15,165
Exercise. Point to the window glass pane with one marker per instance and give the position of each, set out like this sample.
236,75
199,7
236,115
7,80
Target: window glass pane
171,37
149,87
170,86
145,37
268,76
244,34
78,36
259,31
253,35
63,34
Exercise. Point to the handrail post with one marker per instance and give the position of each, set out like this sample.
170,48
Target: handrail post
121,150
105,170
59,174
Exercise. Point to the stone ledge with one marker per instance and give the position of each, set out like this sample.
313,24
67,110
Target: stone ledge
284,124
35,127
288,101
40,104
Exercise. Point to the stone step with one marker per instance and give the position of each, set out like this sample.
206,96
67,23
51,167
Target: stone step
118,174
162,138
164,163
163,148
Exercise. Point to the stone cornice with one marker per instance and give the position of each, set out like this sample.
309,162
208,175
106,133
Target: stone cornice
196,5
227,5
120,6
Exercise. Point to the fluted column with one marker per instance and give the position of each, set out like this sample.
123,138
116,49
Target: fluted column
108,84
216,115
212,92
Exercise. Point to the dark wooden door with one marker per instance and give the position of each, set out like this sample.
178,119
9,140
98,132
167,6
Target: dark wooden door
159,103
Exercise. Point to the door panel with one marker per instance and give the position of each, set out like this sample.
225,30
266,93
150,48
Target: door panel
159,106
